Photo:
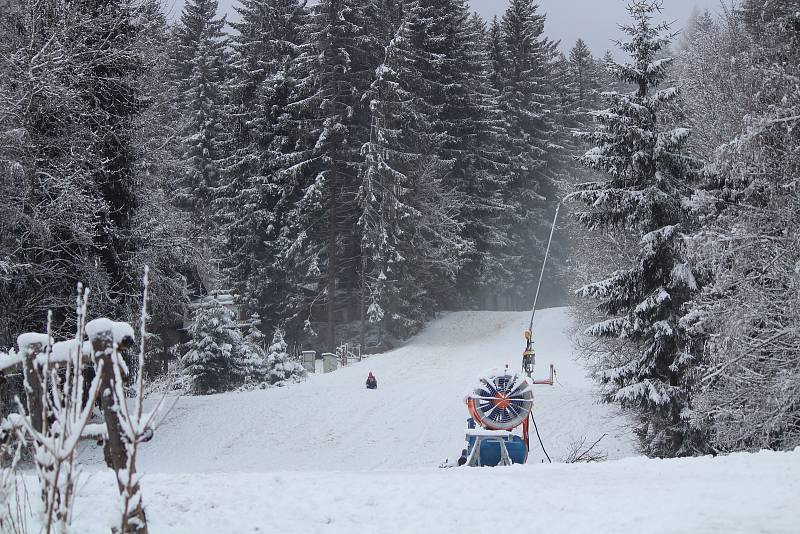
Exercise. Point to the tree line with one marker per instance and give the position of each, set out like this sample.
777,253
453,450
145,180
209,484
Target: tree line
691,261
340,163
349,168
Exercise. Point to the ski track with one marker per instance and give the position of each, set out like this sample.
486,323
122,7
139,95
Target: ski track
415,419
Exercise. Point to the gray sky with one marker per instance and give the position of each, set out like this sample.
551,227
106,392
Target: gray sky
593,20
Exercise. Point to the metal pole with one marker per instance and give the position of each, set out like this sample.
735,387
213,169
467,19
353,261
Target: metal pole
544,263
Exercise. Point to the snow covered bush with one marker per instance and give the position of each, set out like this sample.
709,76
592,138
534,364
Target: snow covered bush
220,357
211,358
281,367
252,364
748,317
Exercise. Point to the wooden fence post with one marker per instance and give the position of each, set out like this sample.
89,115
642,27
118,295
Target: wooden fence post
114,450
31,347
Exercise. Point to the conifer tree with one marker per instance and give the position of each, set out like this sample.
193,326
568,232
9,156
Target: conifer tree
497,55
388,183
404,234
252,364
338,60
161,232
259,134
200,73
648,364
214,340
480,169
582,69
606,77
451,66
529,108
281,367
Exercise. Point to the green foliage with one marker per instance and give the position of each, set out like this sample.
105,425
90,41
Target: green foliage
648,364
210,361
281,368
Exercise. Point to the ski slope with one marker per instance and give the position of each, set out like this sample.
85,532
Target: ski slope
415,419
329,456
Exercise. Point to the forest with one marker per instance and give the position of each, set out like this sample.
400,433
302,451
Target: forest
345,170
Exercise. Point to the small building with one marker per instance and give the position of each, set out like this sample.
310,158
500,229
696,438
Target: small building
330,362
307,358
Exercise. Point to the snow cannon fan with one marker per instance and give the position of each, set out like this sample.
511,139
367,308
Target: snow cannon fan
501,401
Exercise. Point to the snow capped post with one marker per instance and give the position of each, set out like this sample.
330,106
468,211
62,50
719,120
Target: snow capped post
107,338
30,346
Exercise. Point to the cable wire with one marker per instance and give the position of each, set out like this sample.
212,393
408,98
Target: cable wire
544,263
540,439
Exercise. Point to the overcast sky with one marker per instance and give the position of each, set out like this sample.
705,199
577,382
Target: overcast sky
593,20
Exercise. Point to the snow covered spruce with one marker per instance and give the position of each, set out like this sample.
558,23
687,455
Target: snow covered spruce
692,324
220,356
649,174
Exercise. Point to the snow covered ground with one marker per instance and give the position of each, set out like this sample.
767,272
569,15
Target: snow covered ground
415,419
743,493
328,455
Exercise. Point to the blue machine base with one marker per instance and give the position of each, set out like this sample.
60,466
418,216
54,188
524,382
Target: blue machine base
489,453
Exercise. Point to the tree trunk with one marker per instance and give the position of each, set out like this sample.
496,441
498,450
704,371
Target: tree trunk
361,303
114,451
332,266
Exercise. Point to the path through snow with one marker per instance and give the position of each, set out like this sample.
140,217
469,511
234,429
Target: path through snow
416,418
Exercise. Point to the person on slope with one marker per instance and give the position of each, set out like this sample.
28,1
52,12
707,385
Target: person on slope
463,459
372,382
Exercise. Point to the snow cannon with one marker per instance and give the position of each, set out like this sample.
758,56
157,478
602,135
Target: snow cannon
500,402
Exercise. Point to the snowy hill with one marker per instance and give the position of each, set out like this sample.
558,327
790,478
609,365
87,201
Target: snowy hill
328,455
416,417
